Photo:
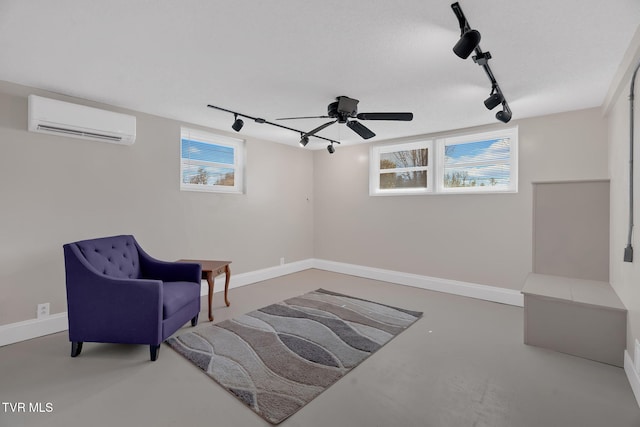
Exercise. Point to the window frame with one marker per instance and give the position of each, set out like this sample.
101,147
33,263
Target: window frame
436,166
238,146
375,171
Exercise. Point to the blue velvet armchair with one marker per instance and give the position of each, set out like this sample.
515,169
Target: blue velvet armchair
117,293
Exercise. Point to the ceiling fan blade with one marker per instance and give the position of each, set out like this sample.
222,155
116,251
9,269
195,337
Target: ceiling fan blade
403,117
319,128
360,129
308,117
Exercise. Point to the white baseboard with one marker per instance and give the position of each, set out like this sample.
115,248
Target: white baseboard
473,290
255,276
34,328
632,375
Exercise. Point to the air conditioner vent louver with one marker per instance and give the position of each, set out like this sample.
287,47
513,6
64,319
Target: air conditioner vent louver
79,121
78,133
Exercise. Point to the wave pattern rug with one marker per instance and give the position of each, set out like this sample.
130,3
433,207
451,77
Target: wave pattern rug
278,358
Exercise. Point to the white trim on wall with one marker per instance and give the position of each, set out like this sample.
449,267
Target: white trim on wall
632,376
34,328
250,277
472,290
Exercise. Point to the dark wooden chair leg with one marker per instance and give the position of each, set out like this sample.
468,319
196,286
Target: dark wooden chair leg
194,321
154,350
76,348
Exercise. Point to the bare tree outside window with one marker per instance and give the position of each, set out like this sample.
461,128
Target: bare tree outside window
201,177
415,160
227,179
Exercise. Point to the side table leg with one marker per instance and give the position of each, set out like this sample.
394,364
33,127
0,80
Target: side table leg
210,279
227,272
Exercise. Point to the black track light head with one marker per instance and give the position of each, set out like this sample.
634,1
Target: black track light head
504,116
493,100
237,124
331,149
304,140
469,40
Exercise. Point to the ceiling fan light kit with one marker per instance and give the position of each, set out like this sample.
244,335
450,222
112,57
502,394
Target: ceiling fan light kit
469,42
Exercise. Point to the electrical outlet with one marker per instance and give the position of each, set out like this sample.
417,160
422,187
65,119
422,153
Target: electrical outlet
43,310
282,261
636,360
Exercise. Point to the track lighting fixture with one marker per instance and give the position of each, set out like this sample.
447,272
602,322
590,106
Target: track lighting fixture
331,149
494,99
469,42
237,124
505,115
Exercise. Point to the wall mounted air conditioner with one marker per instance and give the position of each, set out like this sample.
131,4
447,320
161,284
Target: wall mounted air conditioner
79,121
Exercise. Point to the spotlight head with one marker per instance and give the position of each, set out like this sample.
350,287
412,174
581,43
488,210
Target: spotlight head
503,116
493,100
467,43
304,140
237,124
331,149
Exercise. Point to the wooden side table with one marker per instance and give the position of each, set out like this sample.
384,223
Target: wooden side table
211,269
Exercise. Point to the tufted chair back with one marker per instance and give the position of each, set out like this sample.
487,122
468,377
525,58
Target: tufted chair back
115,256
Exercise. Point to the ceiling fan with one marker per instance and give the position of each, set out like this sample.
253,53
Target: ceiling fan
344,109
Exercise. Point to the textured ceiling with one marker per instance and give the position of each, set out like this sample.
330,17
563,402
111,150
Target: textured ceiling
285,58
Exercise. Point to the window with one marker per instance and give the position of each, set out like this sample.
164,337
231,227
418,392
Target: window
485,162
401,168
477,163
210,162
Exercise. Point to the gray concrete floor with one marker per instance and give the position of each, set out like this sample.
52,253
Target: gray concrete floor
463,364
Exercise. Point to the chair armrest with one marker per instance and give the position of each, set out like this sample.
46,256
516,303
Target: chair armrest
108,309
168,271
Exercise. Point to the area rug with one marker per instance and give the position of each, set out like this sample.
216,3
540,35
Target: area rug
278,358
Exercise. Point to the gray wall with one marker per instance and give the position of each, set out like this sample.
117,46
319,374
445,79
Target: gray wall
55,190
624,276
299,204
571,229
478,238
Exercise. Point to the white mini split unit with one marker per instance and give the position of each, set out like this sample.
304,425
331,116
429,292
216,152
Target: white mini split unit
79,121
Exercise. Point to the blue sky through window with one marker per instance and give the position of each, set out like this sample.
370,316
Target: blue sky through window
210,162
480,151
207,152
485,162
